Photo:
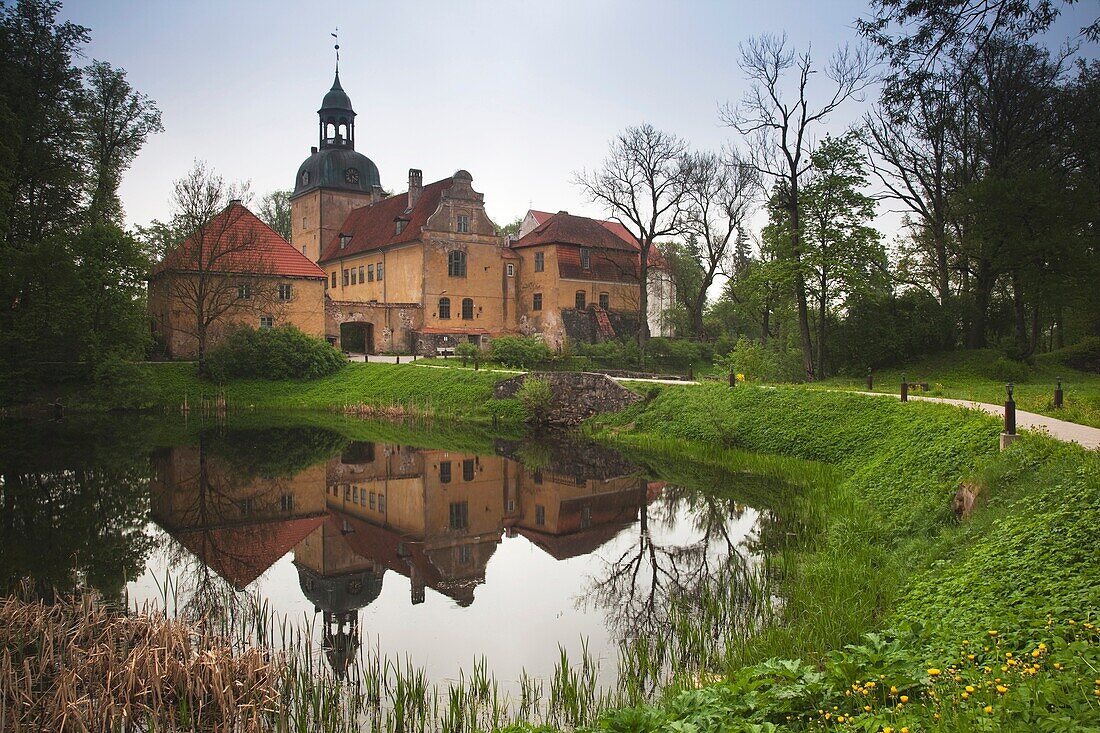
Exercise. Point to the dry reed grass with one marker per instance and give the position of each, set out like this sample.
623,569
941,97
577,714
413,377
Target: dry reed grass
76,666
386,412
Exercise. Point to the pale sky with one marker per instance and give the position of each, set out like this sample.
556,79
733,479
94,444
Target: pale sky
520,94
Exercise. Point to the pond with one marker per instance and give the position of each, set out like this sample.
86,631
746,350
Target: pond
435,546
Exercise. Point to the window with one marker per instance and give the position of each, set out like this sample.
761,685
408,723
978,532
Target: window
580,301
354,494
370,273
456,263
463,223
305,221
244,291
536,302
353,280
378,270
444,308
245,506
381,502
460,515
285,291
511,270
361,274
468,469
267,321
445,472
334,278
586,517
464,555
303,249
344,240
605,301
286,502
540,261
467,308
510,507
540,514
373,499
586,259
399,226
345,278
537,475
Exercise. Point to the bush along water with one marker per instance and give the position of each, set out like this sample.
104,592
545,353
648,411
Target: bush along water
272,353
894,615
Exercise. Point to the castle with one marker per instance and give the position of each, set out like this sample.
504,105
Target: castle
415,272
423,270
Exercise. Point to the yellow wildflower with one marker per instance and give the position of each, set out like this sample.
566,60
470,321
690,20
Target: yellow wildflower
905,698
933,671
988,709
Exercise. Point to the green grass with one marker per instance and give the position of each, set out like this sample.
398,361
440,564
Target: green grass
408,389
888,583
982,375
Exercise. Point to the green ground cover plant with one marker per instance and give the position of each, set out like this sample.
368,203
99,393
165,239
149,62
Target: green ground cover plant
982,375
893,616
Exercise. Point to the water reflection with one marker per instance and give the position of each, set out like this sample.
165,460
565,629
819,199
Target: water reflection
577,540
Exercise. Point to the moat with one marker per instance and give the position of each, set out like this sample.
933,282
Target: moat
435,546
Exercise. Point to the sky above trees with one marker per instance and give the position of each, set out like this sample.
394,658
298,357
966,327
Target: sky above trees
522,95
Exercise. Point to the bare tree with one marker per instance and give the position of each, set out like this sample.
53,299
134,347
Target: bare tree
643,184
721,191
218,270
779,125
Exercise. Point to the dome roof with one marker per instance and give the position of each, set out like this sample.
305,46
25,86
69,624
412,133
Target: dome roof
339,168
346,592
337,100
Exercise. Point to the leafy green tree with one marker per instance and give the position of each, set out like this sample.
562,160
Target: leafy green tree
275,212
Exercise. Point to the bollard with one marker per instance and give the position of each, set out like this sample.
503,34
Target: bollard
476,365
1010,412
398,359
870,381
691,375
1058,393
904,389
733,380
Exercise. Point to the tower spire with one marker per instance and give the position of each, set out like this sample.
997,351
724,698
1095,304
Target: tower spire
336,46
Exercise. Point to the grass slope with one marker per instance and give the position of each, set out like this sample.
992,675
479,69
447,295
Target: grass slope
414,389
981,375
888,555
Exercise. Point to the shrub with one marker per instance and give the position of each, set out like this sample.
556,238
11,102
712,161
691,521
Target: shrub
535,395
612,354
1084,355
466,350
519,351
679,351
1004,369
759,363
119,384
272,353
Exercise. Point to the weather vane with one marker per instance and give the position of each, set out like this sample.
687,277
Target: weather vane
337,47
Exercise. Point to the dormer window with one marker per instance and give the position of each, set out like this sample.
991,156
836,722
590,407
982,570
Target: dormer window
344,239
463,224
586,259
399,226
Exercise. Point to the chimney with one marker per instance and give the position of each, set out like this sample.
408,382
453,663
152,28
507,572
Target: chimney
236,202
313,150
376,194
416,185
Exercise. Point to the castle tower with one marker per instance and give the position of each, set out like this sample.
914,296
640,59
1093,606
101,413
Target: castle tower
334,179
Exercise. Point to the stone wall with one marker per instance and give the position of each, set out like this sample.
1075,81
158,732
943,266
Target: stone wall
580,325
576,396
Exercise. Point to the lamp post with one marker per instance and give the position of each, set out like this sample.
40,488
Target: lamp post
1058,393
1010,411
870,381
904,389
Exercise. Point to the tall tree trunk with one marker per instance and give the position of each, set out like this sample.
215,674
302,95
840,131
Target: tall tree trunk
983,290
800,282
823,304
700,303
765,323
643,297
1019,313
1057,329
1034,346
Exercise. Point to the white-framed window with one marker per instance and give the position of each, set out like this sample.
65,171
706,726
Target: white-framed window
540,261
456,263
267,321
286,291
511,270
463,224
536,302
378,271
605,300
586,259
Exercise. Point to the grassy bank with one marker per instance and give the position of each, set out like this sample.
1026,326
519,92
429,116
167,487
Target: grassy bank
366,390
982,375
894,615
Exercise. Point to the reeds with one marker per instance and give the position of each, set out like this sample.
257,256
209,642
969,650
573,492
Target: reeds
392,411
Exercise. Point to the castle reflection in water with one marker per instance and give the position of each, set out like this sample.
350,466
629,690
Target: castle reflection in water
433,516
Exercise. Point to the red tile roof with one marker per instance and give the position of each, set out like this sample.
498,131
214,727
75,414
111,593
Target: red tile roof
564,228
374,226
237,241
612,226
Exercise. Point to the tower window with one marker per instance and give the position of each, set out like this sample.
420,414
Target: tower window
456,263
305,221
580,300
511,270
586,259
285,291
444,308
536,302
445,472
467,309
540,261
463,223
